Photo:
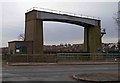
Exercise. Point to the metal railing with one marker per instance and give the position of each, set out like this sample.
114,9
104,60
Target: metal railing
96,57
62,12
63,57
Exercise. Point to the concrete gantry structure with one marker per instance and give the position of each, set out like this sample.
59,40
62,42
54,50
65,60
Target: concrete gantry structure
33,43
34,29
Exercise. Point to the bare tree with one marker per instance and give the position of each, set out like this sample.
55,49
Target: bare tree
117,20
21,37
117,16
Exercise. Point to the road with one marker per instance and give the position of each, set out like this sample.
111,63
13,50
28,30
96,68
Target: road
52,72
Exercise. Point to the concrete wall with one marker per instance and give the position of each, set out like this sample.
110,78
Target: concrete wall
27,44
11,48
34,31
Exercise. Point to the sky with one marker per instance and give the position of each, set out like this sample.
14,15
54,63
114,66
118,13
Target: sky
13,19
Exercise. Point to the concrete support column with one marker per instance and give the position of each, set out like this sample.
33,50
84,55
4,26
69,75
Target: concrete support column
38,38
92,39
34,32
86,39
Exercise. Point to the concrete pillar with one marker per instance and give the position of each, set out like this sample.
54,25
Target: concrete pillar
34,31
92,39
38,37
86,39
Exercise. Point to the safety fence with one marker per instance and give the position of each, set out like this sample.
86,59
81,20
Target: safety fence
63,57
94,57
62,12
32,58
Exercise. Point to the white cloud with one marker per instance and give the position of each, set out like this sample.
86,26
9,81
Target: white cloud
62,32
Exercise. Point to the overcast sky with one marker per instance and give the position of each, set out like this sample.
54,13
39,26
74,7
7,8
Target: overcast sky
13,20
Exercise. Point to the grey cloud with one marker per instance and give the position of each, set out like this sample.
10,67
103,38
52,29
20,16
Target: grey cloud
62,32
14,18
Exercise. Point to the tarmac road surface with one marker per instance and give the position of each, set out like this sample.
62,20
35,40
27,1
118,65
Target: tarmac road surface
52,72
